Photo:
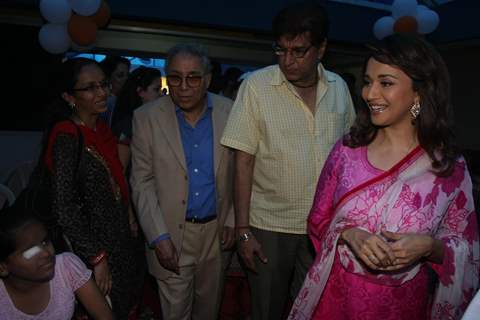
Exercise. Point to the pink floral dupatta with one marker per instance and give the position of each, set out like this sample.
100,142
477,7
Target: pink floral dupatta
408,198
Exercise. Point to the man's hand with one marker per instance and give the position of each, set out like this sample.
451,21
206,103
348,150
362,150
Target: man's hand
228,238
249,249
167,255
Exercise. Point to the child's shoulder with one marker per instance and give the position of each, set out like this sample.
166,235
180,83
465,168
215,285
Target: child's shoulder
72,270
68,258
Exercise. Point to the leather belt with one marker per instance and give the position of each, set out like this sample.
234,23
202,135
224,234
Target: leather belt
200,220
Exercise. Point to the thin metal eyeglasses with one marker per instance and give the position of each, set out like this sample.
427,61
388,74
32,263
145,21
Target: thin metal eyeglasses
297,52
192,80
94,87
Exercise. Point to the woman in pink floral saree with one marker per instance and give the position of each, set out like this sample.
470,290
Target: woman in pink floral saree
394,203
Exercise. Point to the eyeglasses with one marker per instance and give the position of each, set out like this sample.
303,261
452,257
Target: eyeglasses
192,80
94,87
297,52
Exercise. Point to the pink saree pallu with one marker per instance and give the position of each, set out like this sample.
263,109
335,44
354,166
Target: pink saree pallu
408,198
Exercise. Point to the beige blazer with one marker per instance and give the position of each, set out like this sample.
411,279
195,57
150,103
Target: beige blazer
159,176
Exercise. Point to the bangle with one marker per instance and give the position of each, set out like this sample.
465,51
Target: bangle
102,254
242,227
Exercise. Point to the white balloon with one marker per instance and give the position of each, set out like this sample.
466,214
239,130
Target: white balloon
421,7
401,8
56,11
54,38
85,7
427,21
383,27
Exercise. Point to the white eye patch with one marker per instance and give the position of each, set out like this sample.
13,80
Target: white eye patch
30,253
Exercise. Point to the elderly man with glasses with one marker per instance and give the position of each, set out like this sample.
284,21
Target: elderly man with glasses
182,181
283,124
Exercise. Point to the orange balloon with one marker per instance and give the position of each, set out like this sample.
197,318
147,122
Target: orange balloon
102,16
405,24
82,30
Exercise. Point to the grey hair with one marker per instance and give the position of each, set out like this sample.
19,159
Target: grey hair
189,49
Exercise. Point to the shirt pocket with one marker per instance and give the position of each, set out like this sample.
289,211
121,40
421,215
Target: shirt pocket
331,126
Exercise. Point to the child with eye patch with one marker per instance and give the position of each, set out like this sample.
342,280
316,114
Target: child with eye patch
34,282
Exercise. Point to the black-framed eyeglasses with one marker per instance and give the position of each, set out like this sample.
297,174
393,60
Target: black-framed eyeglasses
298,52
192,80
94,87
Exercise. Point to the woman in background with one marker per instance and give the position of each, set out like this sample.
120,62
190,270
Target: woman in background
116,70
394,201
142,86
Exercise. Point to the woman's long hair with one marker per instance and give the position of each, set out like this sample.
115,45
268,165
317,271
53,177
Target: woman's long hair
424,65
128,99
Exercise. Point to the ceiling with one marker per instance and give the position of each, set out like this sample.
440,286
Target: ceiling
239,31
351,20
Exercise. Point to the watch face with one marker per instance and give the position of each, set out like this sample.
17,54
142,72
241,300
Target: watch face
244,237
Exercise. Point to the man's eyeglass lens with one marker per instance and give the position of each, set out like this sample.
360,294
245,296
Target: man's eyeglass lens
296,52
193,81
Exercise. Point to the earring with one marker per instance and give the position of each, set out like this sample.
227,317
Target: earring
415,110
72,106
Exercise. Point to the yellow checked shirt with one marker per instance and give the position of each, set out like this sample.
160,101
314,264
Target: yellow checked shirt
270,121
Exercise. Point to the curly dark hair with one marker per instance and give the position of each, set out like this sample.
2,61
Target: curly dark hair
424,65
110,63
128,99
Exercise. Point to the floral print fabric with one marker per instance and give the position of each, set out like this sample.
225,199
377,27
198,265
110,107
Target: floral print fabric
409,198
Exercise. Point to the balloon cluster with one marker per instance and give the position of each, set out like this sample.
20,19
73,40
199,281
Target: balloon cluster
407,17
71,23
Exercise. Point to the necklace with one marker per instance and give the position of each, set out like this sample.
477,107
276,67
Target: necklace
79,121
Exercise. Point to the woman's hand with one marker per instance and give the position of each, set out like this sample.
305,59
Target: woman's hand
132,222
408,248
369,248
103,277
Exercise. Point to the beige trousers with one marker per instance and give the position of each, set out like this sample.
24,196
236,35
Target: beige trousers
195,292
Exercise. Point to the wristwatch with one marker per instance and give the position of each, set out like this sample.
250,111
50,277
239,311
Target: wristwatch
244,237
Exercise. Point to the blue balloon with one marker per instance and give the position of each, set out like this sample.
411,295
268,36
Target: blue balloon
85,7
427,21
54,38
56,11
402,8
383,27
